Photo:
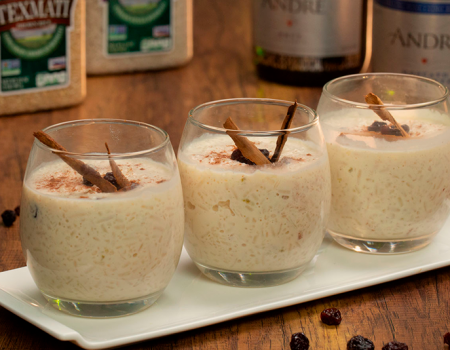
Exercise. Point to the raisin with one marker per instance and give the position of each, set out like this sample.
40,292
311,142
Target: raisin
265,152
8,217
17,210
392,130
386,130
360,343
87,182
376,126
237,156
110,177
331,316
299,341
447,338
395,345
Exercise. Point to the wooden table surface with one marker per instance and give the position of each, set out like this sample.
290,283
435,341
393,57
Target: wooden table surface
415,310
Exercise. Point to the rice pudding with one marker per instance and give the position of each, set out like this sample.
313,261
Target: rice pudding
385,187
250,218
84,245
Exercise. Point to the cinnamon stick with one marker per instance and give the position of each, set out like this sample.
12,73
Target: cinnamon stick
80,167
373,99
248,149
283,138
121,179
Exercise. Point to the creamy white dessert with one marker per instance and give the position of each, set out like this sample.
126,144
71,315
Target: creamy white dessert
251,218
387,187
84,245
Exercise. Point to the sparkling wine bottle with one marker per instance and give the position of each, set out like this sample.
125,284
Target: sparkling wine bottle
412,37
309,42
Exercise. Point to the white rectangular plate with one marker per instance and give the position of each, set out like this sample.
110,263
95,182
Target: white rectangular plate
192,301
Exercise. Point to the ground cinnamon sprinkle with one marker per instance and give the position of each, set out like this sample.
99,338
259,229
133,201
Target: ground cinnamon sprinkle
218,157
55,183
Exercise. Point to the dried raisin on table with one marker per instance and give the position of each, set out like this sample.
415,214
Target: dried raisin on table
395,345
299,341
447,338
17,210
8,217
358,342
331,316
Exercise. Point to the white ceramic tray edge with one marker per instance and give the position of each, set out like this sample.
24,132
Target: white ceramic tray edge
65,333
35,315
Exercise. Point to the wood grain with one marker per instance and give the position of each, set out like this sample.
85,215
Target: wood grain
415,310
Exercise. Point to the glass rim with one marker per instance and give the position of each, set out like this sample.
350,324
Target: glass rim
268,101
64,125
361,76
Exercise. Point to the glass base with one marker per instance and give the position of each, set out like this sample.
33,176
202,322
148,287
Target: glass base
364,245
102,309
250,279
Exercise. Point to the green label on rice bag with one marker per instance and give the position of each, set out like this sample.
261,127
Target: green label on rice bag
138,27
34,44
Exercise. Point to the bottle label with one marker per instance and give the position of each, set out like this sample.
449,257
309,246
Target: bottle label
308,28
138,27
412,37
35,45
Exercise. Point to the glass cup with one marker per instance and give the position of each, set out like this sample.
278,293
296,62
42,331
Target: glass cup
253,225
98,254
390,192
